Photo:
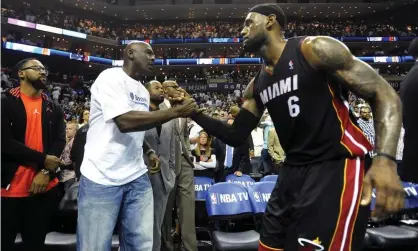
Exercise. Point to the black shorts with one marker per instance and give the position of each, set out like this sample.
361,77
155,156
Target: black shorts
316,207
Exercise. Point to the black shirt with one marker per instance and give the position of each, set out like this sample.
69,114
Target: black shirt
77,150
310,113
409,97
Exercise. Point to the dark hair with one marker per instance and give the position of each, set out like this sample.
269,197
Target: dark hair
81,115
267,9
413,48
22,63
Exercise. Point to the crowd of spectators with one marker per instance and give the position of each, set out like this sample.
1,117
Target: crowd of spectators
117,29
182,52
72,91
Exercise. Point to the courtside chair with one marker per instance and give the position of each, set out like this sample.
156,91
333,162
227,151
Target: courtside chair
273,178
259,194
228,202
244,180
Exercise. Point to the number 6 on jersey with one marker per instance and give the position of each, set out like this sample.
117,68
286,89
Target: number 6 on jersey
294,109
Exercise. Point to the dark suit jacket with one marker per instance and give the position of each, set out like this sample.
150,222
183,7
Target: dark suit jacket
241,155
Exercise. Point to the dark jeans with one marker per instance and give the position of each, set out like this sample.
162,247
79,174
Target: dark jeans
266,165
29,216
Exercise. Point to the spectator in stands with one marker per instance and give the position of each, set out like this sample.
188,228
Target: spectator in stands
275,149
231,160
67,174
257,135
366,124
266,165
203,151
56,94
399,149
33,137
83,118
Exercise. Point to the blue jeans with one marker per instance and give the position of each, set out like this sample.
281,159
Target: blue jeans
100,207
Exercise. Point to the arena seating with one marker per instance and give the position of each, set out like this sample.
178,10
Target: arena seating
227,202
244,180
233,218
270,178
392,237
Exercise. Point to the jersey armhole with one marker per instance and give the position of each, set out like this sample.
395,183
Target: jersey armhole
256,97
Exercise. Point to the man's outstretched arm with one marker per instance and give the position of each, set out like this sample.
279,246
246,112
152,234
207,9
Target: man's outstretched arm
246,120
342,67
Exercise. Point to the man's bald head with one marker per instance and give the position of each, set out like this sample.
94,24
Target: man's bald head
149,84
169,83
134,46
139,57
171,88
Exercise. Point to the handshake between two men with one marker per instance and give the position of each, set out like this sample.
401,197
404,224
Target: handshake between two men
183,103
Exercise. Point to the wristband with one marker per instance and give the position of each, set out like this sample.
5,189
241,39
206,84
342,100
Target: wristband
387,156
150,151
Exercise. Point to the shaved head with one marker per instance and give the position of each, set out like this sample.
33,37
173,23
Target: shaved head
169,82
170,88
135,46
138,58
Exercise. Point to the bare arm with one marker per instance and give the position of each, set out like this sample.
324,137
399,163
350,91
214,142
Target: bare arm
134,121
246,120
336,59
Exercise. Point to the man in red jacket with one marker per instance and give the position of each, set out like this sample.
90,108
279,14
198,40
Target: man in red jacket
33,137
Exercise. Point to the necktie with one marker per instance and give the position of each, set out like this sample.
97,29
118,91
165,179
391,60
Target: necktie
228,157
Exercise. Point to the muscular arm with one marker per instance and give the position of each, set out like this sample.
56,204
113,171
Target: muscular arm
134,121
246,120
342,67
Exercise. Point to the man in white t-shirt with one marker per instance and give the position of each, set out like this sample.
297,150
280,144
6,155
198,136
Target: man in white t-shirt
114,183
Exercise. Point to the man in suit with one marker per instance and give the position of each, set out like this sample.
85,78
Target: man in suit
161,140
183,193
231,160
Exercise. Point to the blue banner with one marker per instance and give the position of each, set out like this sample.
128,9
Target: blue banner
177,61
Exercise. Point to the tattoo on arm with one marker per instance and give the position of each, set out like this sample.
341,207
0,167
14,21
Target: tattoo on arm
342,67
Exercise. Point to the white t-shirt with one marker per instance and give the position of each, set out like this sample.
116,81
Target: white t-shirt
112,157
237,93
